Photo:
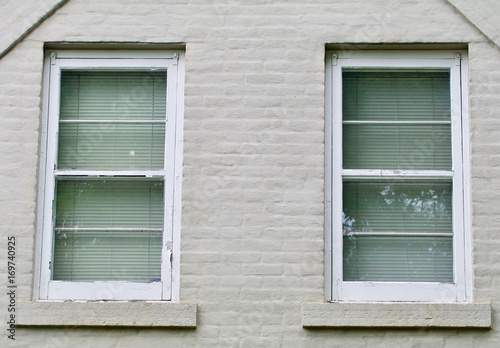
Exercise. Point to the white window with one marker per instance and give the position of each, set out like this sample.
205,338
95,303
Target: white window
111,176
397,225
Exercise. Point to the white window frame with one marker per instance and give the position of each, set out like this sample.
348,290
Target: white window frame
337,289
167,289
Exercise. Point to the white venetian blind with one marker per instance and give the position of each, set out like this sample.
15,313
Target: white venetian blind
397,206
396,120
110,229
398,258
397,230
112,120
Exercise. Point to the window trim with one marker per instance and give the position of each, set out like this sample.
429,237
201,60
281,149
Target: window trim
335,288
168,288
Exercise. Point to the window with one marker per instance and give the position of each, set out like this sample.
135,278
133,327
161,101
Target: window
111,175
396,177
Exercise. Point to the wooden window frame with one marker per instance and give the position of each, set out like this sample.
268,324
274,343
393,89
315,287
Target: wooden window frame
337,289
167,289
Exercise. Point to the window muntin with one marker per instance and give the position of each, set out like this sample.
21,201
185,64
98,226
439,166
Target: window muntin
112,166
396,177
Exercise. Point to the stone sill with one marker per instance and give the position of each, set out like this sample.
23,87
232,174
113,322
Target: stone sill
107,314
397,315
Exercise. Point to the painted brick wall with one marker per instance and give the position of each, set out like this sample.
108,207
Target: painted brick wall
253,175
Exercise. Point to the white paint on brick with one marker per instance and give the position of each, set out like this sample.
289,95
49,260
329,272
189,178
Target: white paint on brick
252,236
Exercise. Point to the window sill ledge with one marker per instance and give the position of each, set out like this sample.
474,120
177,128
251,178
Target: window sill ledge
397,315
109,314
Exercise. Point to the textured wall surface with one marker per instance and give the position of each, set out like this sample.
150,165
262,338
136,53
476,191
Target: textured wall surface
252,245
484,14
18,17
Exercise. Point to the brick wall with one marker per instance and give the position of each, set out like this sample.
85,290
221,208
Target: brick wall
253,175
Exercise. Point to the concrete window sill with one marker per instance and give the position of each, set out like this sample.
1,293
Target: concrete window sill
137,313
454,315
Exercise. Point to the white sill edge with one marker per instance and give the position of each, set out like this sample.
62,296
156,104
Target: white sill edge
107,313
396,314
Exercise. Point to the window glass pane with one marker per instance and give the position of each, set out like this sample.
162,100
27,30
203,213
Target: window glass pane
390,206
396,146
119,95
111,146
396,95
108,230
398,258
98,104
396,230
109,203
85,256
